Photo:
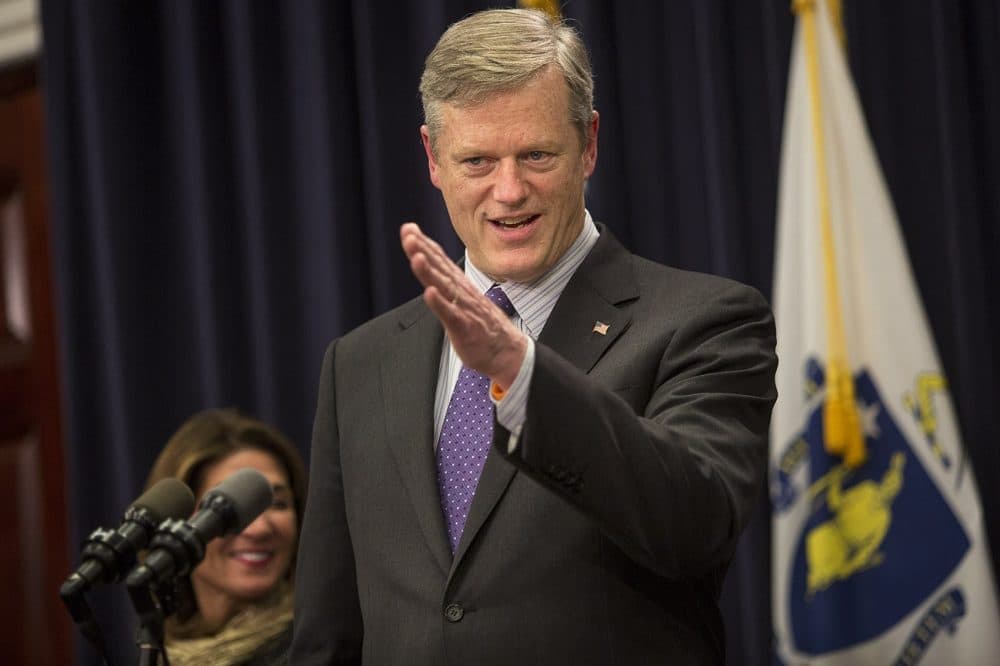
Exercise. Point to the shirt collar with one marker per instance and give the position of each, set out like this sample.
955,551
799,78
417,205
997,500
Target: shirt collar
534,300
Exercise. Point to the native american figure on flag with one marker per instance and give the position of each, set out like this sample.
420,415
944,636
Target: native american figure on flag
862,515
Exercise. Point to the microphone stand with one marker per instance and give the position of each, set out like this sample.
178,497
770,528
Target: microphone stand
101,551
149,635
76,603
144,581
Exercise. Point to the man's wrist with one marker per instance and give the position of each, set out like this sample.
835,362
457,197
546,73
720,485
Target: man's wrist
510,364
512,403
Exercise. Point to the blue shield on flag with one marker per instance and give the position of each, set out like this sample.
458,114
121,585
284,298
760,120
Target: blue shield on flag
878,541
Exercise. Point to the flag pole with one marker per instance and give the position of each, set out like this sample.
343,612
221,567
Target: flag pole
841,426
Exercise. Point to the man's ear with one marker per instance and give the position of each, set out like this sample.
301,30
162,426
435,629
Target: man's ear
590,150
432,164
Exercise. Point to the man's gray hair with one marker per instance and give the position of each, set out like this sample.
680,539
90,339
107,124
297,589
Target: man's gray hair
500,50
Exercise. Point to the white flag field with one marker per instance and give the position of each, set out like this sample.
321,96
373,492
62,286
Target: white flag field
879,557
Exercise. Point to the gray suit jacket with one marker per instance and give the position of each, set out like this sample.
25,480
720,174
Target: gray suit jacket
603,539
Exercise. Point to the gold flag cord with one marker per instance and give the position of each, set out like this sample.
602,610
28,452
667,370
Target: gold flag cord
841,425
836,9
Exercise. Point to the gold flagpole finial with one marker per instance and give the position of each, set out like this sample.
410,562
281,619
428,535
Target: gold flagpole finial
550,7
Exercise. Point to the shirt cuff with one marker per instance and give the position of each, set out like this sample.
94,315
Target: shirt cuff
513,403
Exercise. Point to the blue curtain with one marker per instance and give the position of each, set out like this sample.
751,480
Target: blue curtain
228,179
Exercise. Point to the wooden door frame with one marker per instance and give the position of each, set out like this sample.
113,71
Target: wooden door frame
31,431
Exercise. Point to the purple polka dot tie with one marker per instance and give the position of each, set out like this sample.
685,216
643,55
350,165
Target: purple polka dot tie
465,439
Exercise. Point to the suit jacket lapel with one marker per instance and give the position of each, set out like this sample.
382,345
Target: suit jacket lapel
588,317
592,297
409,371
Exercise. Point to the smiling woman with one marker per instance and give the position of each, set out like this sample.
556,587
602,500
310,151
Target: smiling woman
236,607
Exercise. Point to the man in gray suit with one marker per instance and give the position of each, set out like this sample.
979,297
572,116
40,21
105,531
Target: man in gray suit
549,457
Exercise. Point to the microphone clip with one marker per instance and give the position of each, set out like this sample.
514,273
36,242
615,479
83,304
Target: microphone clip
180,540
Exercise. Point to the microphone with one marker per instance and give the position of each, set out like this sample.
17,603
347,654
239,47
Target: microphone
109,554
179,545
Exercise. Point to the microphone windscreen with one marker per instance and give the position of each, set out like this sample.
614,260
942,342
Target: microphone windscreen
250,493
168,498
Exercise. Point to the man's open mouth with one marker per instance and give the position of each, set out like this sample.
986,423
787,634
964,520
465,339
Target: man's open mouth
514,222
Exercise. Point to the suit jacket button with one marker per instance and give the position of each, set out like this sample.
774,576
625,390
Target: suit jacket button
454,612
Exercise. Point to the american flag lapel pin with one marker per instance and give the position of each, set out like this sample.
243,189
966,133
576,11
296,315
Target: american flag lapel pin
600,327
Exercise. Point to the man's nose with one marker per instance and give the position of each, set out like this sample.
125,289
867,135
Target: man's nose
509,187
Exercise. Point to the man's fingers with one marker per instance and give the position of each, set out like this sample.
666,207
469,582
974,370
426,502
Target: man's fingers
431,265
478,330
447,281
449,294
416,241
457,317
444,282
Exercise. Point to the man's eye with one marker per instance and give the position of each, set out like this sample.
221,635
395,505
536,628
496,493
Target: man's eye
536,155
474,161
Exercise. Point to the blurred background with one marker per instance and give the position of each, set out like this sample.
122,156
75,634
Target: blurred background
197,196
